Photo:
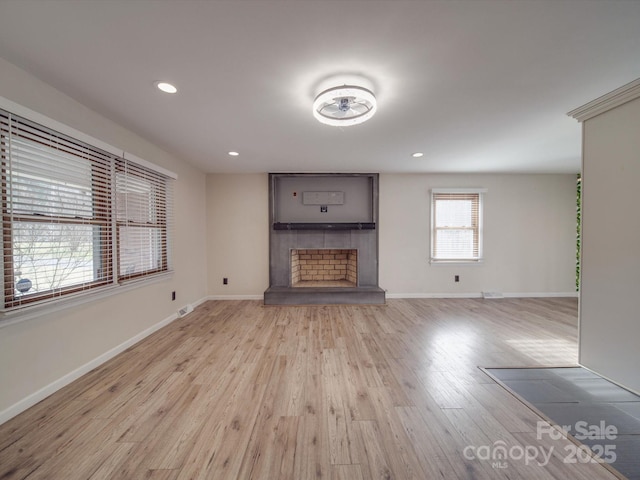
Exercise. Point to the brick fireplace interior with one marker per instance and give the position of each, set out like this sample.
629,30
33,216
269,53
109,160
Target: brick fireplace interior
324,267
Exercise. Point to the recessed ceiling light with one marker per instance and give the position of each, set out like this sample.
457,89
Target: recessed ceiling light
417,154
234,154
166,87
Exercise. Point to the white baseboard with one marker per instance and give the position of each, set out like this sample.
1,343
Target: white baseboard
433,295
542,295
56,385
235,297
422,295
479,295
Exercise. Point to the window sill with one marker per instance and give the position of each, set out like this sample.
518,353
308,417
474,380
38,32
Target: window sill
456,262
19,314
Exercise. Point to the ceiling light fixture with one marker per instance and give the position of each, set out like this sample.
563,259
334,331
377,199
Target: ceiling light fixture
234,154
345,105
166,87
417,154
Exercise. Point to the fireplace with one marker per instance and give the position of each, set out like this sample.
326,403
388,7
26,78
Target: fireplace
323,239
324,267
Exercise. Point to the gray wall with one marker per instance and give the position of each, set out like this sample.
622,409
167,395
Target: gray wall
283,241
361,193
289,190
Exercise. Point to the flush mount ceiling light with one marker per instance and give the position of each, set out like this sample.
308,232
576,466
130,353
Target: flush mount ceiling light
345,105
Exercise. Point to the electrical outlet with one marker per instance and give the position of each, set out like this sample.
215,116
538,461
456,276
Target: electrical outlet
225,281
456,278
173,296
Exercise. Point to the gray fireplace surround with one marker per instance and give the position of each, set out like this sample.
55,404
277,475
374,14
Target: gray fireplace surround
323,211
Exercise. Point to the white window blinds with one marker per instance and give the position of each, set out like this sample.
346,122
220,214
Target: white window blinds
456,225
143,215
61,232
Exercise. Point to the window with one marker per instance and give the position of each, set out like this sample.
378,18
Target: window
141,206
75,218
456,225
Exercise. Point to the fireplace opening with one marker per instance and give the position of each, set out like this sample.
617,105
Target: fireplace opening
323,267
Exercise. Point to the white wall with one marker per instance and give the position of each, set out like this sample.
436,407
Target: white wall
40,354
238,234
609,326
529,236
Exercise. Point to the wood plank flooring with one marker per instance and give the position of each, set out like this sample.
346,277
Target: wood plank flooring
237,390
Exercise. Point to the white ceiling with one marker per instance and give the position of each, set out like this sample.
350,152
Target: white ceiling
478,86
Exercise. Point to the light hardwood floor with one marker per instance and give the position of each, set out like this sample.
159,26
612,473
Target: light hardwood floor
240,390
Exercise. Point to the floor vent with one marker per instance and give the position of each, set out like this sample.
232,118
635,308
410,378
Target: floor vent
185,310
489,295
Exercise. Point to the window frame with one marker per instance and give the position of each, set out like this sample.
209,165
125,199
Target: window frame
478,230
106,276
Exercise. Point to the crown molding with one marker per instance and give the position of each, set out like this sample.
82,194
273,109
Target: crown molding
611,100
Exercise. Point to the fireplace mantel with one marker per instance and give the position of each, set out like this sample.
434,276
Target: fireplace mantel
324,226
